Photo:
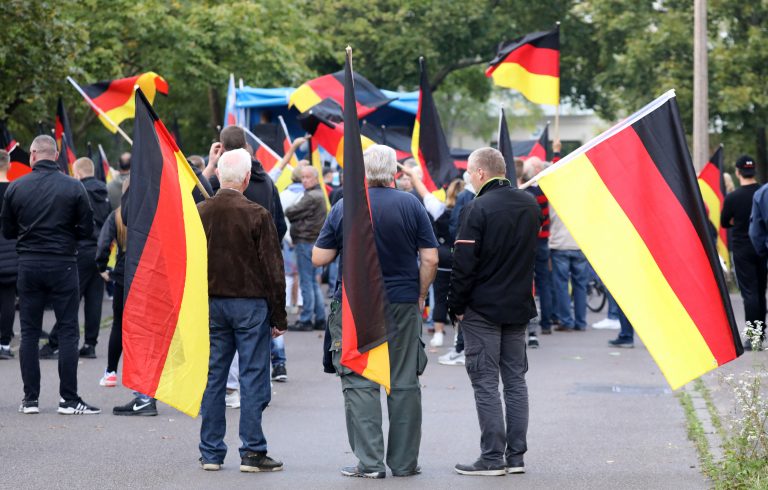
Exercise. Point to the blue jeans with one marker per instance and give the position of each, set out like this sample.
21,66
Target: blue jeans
543,280
570,264
333,274
236,324
627,331
278,351
613,308
310,289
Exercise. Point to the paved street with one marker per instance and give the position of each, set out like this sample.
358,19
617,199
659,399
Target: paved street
600,418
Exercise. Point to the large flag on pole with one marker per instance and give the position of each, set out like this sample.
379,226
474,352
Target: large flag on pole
365,329
232,115
631,202
530,65
368,98
533,148
62,133
505,147
428,144
19,165
165,322
712,186
116,97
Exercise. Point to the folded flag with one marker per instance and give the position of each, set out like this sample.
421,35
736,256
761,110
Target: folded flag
505,147
62,133
428,144
232,115
165,321
364,325
712,186
368,97
116,97
631,202
530,65
533,148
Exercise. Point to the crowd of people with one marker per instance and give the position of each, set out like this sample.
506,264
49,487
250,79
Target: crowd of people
476,260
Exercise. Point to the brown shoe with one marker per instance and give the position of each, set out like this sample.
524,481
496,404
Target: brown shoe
563,328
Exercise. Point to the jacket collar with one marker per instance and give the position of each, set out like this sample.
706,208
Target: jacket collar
494,183
42,165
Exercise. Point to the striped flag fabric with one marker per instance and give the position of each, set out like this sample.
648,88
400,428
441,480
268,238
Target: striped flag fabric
232,115
631,201
383,135
505,147
19,165
165,320
368,97
364,325
62,133
261,152
428,144
106,168
533,148
100,164
712,186
530,65
116,97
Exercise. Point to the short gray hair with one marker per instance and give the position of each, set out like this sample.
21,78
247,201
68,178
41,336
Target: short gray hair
45,146
234,165
5,159
490,160
380,165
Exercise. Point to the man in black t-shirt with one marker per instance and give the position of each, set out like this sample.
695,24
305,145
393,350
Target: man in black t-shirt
750,267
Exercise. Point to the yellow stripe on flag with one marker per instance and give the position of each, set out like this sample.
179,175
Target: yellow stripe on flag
285,179
622,260
713,210
303,98
378,369
539,89
185,373
146,83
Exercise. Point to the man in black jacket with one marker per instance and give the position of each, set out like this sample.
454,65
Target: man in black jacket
91,282
491,294
48,212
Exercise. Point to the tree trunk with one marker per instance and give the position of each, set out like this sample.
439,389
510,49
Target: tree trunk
762,155
216,112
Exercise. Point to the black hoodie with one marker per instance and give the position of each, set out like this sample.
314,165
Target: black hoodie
98,197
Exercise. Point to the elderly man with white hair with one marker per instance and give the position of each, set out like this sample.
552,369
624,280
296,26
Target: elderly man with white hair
246,287
407,251
48,212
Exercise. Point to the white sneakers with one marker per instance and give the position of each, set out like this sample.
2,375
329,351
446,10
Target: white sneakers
607,324
437,339
109,379
451,358
232,400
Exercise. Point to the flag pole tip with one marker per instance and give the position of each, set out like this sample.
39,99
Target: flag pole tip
348,49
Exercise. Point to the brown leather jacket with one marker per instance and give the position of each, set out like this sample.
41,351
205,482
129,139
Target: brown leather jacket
307,216
244,256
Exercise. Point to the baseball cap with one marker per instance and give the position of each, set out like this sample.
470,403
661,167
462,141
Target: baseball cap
746,165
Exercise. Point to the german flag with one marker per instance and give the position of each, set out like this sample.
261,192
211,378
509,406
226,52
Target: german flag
100,164
631,202
364,324
261,152
165,321
19,165
368,96
428,143
63,134
116,98
530,65
712,186
383,135
505,147
533,148
285,178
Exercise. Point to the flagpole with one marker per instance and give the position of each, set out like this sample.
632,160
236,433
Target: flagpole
557,109
99,111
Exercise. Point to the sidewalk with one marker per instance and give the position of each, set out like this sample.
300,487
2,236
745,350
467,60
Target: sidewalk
600,418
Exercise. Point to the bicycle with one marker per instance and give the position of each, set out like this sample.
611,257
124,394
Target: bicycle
596,297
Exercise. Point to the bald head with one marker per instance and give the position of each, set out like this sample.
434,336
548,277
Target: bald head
42,148
83,168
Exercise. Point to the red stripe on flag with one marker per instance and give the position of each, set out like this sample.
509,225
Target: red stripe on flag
351,358
539,61
667,231
117,94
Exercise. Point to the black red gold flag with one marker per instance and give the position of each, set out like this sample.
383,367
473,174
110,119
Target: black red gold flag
116,97
368,96
530,65
383,135
631,201
63,134
428,144
365,328
19,165
165,320
533,148
712,186
505,147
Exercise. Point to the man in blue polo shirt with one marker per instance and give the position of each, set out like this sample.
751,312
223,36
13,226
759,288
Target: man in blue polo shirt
407,251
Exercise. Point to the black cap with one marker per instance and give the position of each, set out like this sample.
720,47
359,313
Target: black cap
746,165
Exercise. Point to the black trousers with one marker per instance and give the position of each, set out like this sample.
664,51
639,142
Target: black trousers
92,294
41,282
115,348
7,311
752,276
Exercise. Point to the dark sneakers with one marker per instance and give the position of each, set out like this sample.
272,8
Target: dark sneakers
355,471
88,351
48,352
301,327
279,373
259,462
138,407
6,352
77,407
413,472
515,470
320,325
533,342
622,342
28,407
481,468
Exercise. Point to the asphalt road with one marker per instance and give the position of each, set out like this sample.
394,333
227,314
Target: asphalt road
600,418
